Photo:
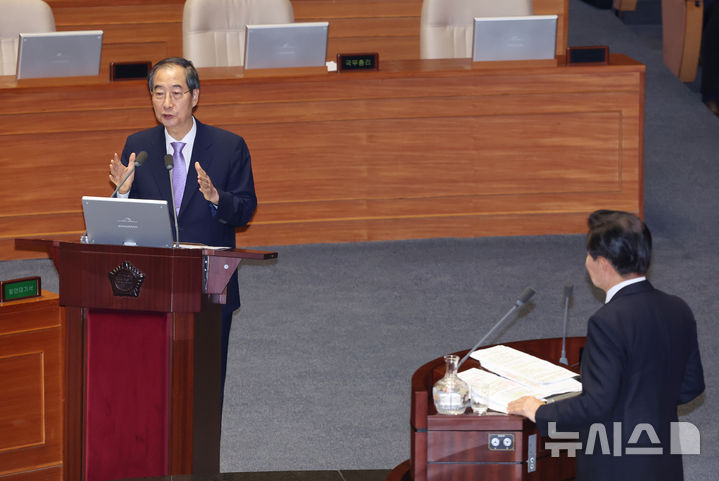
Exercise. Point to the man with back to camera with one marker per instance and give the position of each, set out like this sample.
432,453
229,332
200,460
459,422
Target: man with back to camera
212,175
640,361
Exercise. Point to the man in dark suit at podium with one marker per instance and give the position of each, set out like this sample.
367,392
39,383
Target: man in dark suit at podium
640,361
212,176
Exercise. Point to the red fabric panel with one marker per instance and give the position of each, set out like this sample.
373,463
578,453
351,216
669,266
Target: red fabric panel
127,395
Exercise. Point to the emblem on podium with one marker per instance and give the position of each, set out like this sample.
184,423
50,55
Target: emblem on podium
126,280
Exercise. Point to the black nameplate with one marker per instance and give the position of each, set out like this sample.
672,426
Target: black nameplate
129,70
347,62
587,55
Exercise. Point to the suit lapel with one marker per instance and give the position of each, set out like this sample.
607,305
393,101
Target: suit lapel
200,152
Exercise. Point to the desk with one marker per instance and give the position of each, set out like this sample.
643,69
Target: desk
420,149
32,392
456,447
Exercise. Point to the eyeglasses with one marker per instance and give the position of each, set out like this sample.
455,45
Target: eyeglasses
174,94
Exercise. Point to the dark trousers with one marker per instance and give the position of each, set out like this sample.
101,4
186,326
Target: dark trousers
710,53
225,342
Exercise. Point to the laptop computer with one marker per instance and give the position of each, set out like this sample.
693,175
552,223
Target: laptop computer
59,54
531,37
130,222
286,45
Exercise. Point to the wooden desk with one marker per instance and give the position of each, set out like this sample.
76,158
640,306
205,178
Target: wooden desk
32,392
457,447
420,149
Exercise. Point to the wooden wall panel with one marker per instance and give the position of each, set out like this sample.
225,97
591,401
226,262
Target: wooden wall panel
420,149
53,473
31,393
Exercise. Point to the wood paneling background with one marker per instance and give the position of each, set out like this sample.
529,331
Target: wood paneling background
31,394
151,30
420,149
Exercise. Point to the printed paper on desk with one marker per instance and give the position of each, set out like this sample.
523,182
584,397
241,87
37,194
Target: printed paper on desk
521,367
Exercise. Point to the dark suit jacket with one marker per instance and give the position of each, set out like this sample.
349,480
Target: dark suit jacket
641,360
226,159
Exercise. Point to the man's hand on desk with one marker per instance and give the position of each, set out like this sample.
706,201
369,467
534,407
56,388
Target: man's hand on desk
525,406
119,171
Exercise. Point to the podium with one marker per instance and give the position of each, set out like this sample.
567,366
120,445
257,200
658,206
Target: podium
493,447
142,357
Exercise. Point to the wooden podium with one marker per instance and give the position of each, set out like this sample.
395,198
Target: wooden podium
493,447
142,357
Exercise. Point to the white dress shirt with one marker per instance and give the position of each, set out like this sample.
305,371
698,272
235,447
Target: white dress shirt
617,287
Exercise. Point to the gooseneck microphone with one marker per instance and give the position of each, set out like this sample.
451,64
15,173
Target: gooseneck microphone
526,295
169,165
567,295
139,159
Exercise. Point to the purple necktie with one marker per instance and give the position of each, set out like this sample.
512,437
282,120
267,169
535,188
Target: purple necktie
179,173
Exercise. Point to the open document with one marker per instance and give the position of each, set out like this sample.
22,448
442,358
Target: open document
516,374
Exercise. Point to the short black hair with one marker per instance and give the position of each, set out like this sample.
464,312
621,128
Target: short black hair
622,238
191,77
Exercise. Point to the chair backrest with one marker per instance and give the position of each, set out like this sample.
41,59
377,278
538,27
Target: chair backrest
16,17
213,31
446,26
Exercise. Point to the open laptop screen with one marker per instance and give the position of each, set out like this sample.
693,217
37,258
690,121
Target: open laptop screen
132,222
286,45
531,37
59,54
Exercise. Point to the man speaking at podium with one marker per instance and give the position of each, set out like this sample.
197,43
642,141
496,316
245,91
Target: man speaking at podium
640,361
214,190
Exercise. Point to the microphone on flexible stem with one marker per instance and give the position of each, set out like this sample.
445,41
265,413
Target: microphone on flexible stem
526,295
169,165
139,159
567,295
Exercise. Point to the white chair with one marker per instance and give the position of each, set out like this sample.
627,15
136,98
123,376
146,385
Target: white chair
213,31
20,16
446,26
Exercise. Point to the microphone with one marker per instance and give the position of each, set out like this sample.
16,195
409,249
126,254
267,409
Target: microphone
169,165
567,294
523,298
139,160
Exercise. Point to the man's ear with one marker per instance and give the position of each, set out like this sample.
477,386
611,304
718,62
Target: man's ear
606,266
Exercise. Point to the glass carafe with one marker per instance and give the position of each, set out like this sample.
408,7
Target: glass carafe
451,394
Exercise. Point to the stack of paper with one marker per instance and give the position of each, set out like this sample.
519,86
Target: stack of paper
518,374
501,390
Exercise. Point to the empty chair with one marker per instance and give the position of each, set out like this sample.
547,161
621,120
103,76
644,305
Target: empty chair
213,31
446,26
16,17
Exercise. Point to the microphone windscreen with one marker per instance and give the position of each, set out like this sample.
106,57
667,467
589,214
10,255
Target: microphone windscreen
526,295
169,163
140,158
568,289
